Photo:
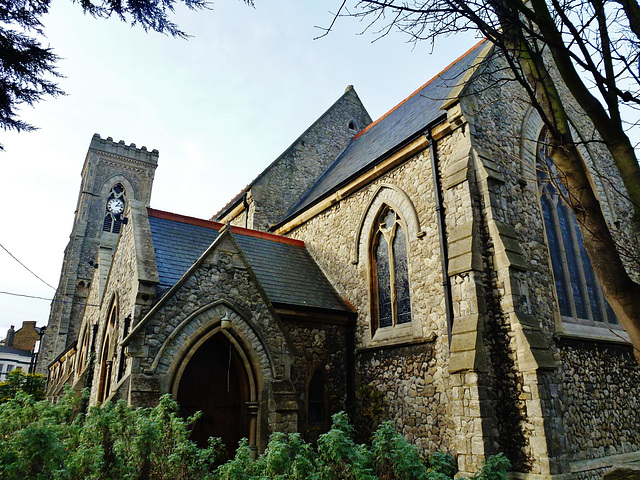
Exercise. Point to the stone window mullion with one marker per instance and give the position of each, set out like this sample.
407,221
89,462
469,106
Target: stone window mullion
563,255
581,270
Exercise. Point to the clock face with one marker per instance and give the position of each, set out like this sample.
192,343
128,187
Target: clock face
115,206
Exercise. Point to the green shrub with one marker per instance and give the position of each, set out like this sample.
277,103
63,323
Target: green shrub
18,381
41,440
395,457
495,468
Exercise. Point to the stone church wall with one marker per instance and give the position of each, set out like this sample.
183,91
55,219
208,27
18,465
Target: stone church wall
318,346
122,287
602,408
565,396
415,404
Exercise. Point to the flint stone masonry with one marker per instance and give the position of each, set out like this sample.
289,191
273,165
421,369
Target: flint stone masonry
323,347
601,414
420,413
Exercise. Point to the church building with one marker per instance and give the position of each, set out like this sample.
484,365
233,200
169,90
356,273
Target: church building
419,268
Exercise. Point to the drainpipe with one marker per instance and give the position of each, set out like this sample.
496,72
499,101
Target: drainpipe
444,246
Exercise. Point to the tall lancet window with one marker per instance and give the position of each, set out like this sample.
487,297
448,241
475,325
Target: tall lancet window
580,297
114,209
390,272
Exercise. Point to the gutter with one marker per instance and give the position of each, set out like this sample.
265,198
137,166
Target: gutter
442,234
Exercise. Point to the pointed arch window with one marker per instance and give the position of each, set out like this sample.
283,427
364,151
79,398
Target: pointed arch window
107,353
114,208
580,297
390,272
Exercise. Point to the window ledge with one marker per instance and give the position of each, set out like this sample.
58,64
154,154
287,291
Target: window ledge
396,342
592,332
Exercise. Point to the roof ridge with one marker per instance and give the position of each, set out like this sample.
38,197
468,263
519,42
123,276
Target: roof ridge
350,90
200,222
419,89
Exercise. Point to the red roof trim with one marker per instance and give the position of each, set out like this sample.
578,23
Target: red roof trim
420,88
175,217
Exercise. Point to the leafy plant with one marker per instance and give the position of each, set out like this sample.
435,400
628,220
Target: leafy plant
41,440
18,381
495,468
395,457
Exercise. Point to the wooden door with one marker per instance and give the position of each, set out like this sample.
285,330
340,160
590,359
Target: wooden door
215,382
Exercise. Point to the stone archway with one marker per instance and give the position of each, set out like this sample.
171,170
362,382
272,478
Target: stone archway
214,378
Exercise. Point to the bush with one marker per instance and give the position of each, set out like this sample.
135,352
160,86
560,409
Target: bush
18,381
41,440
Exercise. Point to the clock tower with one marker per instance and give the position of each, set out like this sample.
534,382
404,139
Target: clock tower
113,174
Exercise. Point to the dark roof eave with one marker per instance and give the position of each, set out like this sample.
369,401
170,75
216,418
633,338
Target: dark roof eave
347,313
355,175
231,205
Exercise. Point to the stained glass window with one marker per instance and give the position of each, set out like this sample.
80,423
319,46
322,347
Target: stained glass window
391,272
580,297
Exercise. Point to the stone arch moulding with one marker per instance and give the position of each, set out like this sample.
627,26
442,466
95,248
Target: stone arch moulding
114,304
530,131
111,181
397,199
531,127
182,360
206,320
220,320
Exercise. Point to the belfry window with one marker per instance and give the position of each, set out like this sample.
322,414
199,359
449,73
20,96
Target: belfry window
114,209
390,272
580,297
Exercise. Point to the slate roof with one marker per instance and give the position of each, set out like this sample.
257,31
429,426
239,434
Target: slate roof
283,266
401,124
14,351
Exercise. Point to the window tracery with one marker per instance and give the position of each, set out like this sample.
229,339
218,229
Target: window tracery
107,354
113,209
580,297
390,268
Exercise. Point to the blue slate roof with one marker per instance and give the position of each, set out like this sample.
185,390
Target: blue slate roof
403,123
285,269
15,351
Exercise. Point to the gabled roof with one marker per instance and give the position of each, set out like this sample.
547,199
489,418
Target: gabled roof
397,127
349,92
285,269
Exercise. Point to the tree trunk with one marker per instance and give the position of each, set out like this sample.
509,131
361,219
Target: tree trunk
621,291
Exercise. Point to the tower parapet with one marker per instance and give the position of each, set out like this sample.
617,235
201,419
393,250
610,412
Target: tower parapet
108,145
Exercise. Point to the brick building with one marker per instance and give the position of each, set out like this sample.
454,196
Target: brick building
422,261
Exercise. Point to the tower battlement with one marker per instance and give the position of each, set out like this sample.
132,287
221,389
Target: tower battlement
122,149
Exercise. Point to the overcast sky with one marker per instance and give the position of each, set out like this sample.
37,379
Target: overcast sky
219,107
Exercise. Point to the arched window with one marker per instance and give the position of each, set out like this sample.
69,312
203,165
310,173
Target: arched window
390,272
580,297
114,209
316,408
107,353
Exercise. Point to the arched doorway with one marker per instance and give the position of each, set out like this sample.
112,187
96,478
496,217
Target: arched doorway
215,382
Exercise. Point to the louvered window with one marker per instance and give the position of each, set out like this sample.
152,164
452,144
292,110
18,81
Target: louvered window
113,221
